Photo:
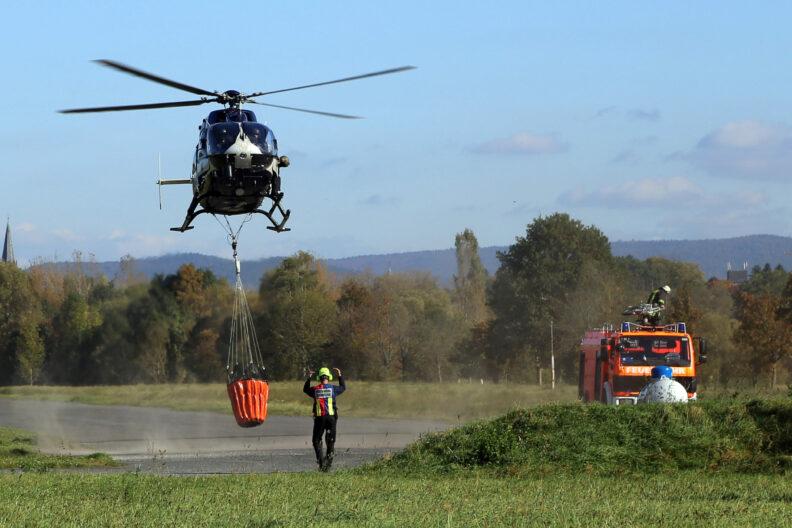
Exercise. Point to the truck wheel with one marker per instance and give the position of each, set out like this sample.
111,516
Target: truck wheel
607,394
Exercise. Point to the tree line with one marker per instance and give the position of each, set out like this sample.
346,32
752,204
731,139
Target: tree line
72,327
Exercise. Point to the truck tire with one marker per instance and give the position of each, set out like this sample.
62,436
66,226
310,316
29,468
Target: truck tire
607,393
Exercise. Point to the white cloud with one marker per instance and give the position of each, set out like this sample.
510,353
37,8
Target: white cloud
67,235
144,244
661,193
521,143
745,149
24,227
648,192
679,208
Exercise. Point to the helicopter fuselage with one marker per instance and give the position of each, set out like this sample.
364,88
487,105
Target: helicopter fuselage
236,164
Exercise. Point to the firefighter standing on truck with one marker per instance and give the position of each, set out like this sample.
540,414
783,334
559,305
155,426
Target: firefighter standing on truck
325,412
657,298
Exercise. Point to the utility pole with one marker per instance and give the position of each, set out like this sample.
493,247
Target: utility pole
552,358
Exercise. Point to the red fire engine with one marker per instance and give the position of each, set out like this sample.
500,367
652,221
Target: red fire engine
616,364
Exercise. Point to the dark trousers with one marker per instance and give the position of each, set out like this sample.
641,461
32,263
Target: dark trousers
324,425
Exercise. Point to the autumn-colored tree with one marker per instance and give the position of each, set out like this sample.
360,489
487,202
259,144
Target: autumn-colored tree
762,335
682,308
205,362
354,339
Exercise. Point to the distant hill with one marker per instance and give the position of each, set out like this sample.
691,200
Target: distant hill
710,255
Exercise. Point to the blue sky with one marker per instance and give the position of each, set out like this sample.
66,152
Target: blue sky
652,120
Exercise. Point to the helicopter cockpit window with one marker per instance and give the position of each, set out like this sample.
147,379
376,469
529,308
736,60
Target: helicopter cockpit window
216,116
221,136
237,116
262,137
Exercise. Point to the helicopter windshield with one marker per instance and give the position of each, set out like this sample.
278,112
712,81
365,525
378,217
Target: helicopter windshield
262,137
233,115
222,136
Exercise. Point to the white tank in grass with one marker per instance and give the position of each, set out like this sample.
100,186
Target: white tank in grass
662,388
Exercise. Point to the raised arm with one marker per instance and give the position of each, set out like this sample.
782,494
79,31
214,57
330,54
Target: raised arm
307,389
341,384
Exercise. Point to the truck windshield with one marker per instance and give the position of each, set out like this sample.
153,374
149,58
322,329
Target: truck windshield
654,350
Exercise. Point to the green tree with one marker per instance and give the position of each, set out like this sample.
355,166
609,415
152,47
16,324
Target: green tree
21,345
536,282
766,280
74,325
785,304
727,363
470,280
299,314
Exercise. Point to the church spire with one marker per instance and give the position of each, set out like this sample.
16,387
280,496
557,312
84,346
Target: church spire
8,247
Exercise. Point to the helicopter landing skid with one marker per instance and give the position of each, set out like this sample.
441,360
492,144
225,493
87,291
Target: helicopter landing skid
277,226
284,213
191,214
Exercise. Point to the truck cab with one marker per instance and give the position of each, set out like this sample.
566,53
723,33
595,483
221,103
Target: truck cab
616,364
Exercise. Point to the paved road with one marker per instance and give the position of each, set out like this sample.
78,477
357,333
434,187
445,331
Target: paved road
175,442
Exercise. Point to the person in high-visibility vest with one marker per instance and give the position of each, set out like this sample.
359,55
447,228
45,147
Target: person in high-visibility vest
325,412
657,298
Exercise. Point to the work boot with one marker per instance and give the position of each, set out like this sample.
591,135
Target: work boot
320,462
328,461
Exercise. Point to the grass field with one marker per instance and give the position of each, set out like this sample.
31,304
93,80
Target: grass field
18,451
451,401
719,463
753,436
370,499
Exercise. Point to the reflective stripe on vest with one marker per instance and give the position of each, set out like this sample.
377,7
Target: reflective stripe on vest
323,395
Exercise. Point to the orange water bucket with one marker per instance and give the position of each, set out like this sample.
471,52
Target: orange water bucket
249,401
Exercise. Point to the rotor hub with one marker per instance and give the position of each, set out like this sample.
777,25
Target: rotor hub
231,98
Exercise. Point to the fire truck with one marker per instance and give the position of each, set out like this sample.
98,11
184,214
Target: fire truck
616,363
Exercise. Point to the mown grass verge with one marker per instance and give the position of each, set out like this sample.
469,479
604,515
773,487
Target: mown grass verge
440,401
733,435
376,500
18,451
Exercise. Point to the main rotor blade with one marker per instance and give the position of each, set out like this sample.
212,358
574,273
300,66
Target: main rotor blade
372,74
342,116
134,107
151,77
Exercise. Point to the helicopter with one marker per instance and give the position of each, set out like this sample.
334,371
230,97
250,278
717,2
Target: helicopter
236,164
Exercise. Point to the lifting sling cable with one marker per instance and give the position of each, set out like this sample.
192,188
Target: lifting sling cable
244,354
247,386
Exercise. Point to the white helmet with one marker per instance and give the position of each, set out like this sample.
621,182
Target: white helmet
666,288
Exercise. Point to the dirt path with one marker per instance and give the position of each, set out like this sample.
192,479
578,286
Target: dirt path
175,442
